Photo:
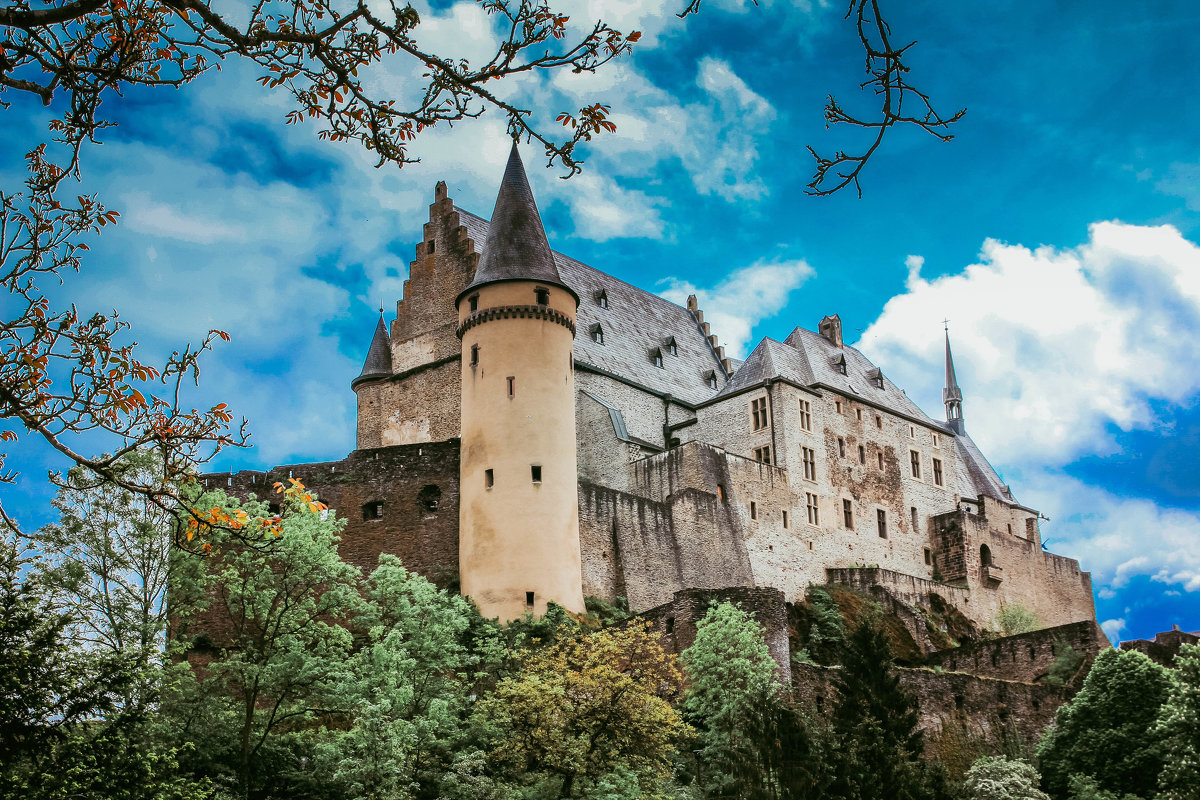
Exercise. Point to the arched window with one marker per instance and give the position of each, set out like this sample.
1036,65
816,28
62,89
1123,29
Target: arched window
985,555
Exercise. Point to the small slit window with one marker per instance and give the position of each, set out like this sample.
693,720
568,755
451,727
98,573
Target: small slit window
862,454
848,514
542,295
785,520
753,510
489,478
474,355
511,381
535,472
881,520
720,491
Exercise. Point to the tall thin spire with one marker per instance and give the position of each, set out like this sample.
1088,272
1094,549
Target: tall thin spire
379,356
952,395
516,248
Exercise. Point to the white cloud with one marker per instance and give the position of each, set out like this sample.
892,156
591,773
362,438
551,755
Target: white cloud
744,298
1112,629
1059,344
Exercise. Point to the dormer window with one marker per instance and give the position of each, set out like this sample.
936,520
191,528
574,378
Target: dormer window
671,348
876,377
543,296
839,363
711,379
657,357
601,298
597,334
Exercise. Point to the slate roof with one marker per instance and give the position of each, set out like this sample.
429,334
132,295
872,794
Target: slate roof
379,356
771,359
981,474
635,323
515,249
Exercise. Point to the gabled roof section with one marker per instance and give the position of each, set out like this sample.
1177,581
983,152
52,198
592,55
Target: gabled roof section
770,360
379,356
516,247
634,323
862,378
981,473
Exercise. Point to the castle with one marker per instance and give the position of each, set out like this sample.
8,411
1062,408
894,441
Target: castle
531,430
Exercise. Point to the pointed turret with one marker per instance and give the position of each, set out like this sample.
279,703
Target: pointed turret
952,395
379,356
516,248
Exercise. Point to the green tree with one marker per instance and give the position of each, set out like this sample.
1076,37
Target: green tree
876,745
751,742
1106,732
272,618
1178,725
406,689
1001,779
826,630
1014,618
585,706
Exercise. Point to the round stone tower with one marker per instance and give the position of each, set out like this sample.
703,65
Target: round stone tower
519,503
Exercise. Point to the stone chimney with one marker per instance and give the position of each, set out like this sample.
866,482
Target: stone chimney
831,329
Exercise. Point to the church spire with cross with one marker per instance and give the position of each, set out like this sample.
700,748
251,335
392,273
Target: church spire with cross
952,394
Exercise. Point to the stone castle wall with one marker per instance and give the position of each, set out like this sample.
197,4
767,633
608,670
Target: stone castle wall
1026,656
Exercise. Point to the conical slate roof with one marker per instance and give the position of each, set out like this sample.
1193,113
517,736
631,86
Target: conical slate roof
951,392
516,248
379,357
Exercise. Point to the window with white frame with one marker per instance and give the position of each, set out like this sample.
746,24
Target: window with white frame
814,508
805,415
809,457
758,413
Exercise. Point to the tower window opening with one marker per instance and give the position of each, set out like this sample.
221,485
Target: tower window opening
543,296
881,519
529,599
535,472
489,478
474,355
511,383
848,514
473,302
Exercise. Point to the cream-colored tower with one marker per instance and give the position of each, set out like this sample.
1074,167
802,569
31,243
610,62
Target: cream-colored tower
519,503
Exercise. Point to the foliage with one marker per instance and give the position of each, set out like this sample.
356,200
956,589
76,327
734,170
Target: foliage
1084,788
608,613
1015,618
1105,732
1001,779
404,689
277,612
1066,663
584,705
877,747
1178,725
826,631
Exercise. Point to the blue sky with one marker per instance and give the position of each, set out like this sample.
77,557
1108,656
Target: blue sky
1058,232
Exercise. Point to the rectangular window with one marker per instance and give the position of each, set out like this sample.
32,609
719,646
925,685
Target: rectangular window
805,416
809,456
535,471
763,454
474,355
862,454
858,413
881,518
473,302
915,458
758,413
879,421
753,510
785,520
928,557
837,404
914,518
529,599
937,440
543,296
511,382
937,471
814,511
912,432
489,478
841,447
848,514
879,455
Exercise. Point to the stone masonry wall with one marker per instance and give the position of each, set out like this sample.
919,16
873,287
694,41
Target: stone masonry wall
1026,656
407,480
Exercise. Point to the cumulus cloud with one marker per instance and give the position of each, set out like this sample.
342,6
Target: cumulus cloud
1055,349
744,298
1112,629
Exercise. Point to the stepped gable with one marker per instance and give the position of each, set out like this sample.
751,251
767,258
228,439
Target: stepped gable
516,248
860,378
379,357
770,360
635,324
